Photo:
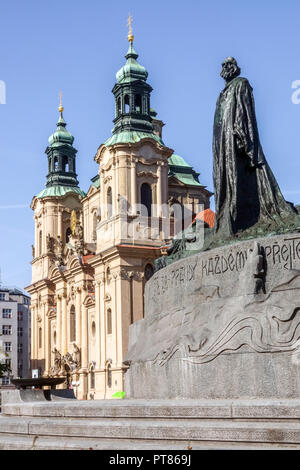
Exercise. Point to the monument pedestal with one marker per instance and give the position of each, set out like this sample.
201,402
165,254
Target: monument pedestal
221,324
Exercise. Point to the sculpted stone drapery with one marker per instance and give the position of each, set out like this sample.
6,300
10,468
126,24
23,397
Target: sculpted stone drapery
246,191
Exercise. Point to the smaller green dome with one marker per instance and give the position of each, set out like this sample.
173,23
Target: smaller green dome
61,135
132,70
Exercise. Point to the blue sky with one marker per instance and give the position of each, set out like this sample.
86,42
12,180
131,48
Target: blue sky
77,47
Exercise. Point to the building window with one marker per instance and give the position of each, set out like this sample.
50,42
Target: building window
138,103
7,347
40,242
8,363
72,324
2,296
6,313
119,108
146,197
20,316
55,164
108,376
68,234
94,234
109,202
109,322
5,380
92,378
20,331
20,347
126,104
93,329
40,337
6,329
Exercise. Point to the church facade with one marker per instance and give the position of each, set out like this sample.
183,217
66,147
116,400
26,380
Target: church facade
94,251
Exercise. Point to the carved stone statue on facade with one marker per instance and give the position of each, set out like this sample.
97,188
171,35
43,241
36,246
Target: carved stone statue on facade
50,243
246,192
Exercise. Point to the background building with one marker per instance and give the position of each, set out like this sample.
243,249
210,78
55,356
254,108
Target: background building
88,275
15,332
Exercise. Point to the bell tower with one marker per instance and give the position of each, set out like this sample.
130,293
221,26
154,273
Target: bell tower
61,155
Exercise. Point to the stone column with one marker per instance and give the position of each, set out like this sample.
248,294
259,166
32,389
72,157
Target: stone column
60,223
133,186
97,315
78,317
102,322
64,339
159,190
47,341
58,324
84,353
102,195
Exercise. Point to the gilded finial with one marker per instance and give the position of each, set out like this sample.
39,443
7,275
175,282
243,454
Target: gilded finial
60,108
130,36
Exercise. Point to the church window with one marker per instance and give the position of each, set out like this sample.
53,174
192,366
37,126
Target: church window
138,103
94,234
40,337
68,234
65,164
109,376
119,109
109,202
146,197
55,164
109,322
126,104
72,324
40,242
92,378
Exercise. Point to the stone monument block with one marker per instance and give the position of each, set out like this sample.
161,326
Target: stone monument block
224,323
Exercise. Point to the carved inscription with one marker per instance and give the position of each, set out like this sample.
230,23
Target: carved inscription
285,254
175,277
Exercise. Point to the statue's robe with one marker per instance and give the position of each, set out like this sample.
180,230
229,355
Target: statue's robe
246,191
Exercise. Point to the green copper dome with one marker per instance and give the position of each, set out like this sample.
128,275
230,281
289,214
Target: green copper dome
61,135
132,70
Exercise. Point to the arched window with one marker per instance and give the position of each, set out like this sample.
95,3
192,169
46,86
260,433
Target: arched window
68,234
40,337
94,233
93,329
55,164
146,197
72,324
108,370
54,337
119,108
126,104
138,103
92,378
109,322
109,202
40,243
65,164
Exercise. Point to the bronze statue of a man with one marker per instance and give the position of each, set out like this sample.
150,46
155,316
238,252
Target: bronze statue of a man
246,191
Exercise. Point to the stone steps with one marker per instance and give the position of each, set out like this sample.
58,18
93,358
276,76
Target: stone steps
150,424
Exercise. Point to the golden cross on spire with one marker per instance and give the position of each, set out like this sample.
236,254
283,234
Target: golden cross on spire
60,108
130,36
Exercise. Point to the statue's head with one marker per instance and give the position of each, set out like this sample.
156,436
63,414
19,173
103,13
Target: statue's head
230,69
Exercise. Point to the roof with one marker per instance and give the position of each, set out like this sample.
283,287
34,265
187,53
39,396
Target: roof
131,137
60,191
207,216
182,171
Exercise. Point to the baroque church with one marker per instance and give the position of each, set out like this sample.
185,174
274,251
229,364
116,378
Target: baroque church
93,252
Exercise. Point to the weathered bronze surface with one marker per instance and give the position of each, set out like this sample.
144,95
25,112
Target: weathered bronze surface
246,192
